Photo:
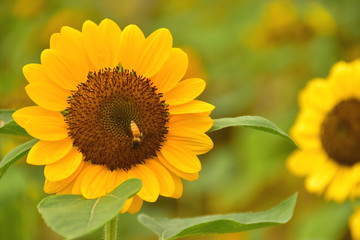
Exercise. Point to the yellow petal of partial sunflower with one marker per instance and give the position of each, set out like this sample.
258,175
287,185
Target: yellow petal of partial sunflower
342,89
319,178
64,167
47,128
135,205
302,163
200,122
172,71
181,158
112,34
35,73
95,45
185,91
194,106
166,182
94,183
154,52
317,95
131,41
150,189
126,206
196,141
77,183
51,187
48,96
178,186
354,224
45,152
59,70
22,115
186,176
111,183
341,185
69,44
67,189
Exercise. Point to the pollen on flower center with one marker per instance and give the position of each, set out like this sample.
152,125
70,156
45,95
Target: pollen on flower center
106,110
340,132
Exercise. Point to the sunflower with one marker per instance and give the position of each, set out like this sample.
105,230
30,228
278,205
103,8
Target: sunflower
354,223
112,105
327,130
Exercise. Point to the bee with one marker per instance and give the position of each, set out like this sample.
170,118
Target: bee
136,134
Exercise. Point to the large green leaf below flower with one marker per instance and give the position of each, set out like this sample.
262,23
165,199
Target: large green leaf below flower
219,224
255,122
73,216
9,126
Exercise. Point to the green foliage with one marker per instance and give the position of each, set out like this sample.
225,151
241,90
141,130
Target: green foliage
256,122
15,154
219,224
9,126
73,216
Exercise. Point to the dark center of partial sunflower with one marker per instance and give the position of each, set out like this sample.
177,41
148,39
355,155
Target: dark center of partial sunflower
340,132
117,119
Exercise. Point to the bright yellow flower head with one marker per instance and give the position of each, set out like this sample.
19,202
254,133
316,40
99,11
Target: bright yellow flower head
112,105
327,130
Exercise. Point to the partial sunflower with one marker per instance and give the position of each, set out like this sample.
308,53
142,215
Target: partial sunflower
354,224
112,105
327,131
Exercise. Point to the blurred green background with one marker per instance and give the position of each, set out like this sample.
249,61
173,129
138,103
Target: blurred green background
255,56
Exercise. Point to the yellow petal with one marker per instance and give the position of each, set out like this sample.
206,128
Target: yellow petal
126,206
95,45
47,128
22,115
154,52
111,183
178,186
94,183
341,185
317,95
185,91
112,34
184,175
320,178
302,163
64,167
181,158
131,41
354,224
200,122
79,179
67,189
172,71
51,187
45,152
136,204
197,142
48,96
166,182
59,70
194,106
69,43
342,79
150,189
35,73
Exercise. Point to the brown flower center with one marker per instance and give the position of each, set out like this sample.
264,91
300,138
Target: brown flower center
340,132
117,119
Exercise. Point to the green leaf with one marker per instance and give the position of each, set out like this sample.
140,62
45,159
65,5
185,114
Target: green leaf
9,126
73,216
15,154
256,122
219,224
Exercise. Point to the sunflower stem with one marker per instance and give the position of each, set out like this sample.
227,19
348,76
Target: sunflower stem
111,229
